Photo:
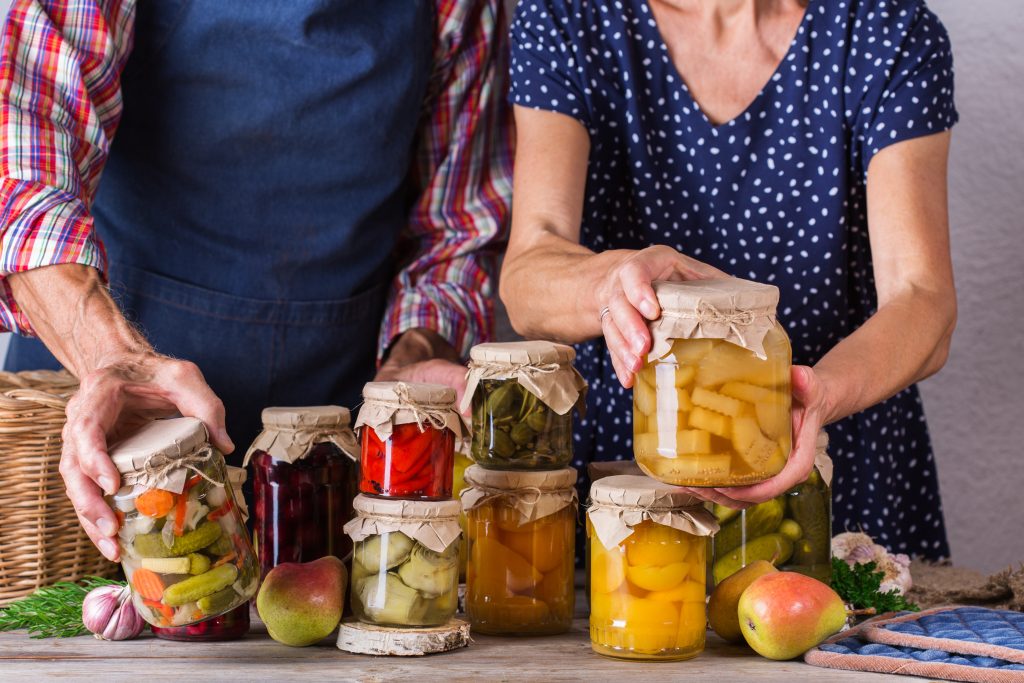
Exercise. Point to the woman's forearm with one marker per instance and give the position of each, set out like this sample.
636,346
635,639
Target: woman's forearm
906,341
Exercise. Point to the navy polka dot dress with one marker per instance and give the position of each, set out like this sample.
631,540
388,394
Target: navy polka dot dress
775,195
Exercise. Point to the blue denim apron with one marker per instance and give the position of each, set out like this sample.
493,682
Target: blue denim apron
256,188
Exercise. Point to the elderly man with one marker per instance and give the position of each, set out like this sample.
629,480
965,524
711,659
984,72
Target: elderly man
296,191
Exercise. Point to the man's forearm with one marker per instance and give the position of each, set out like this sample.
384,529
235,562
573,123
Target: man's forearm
74,315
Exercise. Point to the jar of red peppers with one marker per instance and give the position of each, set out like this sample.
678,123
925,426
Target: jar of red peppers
408,433
304,480
235,623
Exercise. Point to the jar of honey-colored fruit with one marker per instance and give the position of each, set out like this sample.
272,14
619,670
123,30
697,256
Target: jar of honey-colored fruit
647,563
792,531
712,404
521,536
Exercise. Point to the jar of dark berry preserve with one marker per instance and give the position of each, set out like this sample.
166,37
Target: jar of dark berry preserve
305,474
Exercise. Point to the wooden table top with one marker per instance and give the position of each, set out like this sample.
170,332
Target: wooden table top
565,657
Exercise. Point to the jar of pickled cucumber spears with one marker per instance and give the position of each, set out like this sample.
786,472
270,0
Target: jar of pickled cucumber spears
712,402
230,625
521,538
646,555
405,561
305,477
793,531
184,547
522,395
408,433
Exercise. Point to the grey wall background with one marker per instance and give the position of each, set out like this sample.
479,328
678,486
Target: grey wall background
975,406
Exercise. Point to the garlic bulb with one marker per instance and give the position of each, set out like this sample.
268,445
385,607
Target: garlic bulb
857,548
108,612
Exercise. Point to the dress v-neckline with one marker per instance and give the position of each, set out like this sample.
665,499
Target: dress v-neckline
749,109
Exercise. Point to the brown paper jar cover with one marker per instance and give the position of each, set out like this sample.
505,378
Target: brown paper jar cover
543,368
163,453
432,523
533,494
387,404
290,433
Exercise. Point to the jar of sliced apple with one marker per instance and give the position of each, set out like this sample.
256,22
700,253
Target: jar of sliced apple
405,561
184,548
712,404
647,564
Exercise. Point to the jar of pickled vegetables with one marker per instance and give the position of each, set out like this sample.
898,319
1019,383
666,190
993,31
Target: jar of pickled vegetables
184,547
405,561
521,542
647,563
522,395
230,625
408,433
711,405
793,531
305,476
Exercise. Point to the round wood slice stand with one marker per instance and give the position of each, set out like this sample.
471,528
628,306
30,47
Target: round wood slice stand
369,639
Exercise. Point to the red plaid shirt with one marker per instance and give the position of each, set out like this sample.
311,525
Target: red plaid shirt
60,103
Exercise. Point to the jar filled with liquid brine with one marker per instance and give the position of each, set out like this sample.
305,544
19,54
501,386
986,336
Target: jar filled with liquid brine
712,403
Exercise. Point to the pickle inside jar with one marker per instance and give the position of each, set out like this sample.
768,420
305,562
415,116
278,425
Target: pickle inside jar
516,430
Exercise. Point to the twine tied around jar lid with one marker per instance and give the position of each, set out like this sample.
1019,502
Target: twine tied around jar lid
162,454
533,494
387,404
618,503
289,434
431,523
543,368
736,310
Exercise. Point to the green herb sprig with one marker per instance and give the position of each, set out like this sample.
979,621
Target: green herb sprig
860,586
52,611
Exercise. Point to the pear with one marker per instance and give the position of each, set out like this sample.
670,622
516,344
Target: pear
784,614
301,603
722,606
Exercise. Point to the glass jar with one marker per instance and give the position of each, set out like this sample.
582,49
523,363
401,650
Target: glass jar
522,395
408,434
304,481
521,538
232,625
184,547
647,563
462,463
405,561
793,531
712,404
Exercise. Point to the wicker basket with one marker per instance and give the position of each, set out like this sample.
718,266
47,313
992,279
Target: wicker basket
41,541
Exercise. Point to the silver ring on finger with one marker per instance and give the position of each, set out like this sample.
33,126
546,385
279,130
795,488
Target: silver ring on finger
605,311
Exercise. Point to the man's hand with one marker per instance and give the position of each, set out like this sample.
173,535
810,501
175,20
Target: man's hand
421,355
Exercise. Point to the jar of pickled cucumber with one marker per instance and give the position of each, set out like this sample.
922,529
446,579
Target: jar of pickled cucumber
521,538
408,433
230,625
184,547
712,403
405,561
793,531
646,556
523,395
305,476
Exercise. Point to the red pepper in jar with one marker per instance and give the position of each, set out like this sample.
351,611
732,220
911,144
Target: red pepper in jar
411,463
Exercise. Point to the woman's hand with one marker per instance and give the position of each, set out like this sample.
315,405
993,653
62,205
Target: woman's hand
810,412
630,302
111,403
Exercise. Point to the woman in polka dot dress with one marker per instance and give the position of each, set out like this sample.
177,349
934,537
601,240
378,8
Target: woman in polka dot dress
802,144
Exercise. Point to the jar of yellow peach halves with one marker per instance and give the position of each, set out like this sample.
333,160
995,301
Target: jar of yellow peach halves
647,562
711,406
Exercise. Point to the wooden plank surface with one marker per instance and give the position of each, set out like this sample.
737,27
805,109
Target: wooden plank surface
566,657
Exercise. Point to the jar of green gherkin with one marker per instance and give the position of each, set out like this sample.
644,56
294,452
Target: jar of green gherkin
523,395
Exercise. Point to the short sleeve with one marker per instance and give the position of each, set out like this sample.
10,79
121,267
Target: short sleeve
546,67
902,64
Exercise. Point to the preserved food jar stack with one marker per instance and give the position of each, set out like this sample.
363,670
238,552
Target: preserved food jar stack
304,480
231,625
647,563
405,561
184,548
408,433
711,405
793,531
521,538
522,396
